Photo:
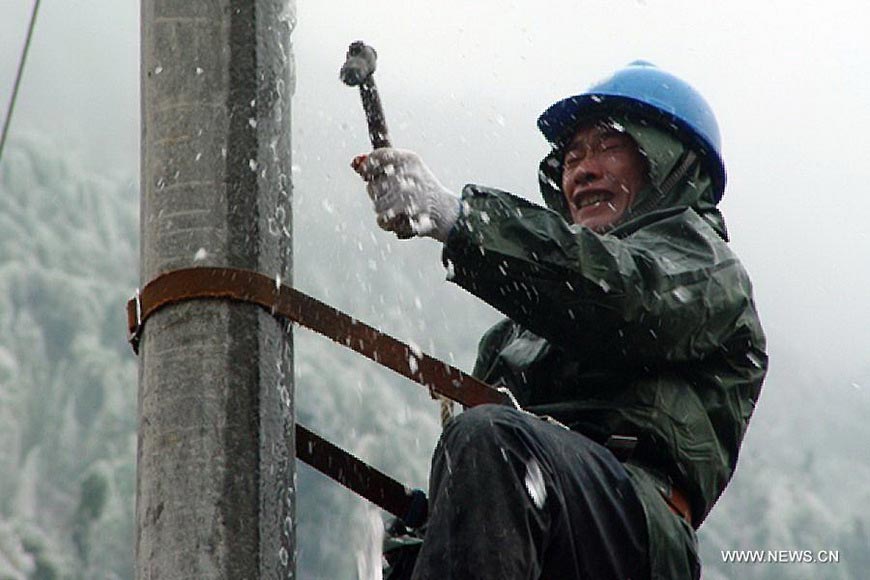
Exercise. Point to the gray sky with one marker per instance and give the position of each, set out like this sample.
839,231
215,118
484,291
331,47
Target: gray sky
788,80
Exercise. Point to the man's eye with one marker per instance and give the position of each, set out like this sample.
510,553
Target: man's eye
571,159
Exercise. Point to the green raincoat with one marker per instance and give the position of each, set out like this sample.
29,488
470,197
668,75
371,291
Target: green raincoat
649,330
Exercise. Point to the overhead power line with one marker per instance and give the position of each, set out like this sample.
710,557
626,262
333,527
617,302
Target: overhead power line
21,62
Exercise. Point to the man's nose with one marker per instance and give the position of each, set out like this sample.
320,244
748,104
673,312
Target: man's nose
587,170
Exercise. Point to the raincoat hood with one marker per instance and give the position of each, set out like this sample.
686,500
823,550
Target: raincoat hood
677,179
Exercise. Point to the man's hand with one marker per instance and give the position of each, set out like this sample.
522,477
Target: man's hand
408,199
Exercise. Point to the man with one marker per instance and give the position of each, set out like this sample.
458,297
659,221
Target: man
630,322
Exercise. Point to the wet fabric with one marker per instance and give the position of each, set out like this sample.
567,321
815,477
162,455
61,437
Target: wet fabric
555,504
649,330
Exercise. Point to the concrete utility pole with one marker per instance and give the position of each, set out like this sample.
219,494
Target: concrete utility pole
216,463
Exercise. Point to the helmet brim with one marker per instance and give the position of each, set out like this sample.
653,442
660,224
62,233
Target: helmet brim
561,119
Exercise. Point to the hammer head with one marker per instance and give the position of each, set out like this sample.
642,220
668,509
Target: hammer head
360,64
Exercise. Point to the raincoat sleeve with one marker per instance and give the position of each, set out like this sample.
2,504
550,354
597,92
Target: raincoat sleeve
668,292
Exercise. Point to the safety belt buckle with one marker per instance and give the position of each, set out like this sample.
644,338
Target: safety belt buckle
134,321
622,446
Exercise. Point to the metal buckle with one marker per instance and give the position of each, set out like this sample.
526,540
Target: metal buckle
136,333
138,298
622,446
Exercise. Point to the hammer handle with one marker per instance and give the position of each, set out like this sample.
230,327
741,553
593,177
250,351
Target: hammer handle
374,114
379,137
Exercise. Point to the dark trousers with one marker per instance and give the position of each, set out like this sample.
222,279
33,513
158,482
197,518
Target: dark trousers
515,498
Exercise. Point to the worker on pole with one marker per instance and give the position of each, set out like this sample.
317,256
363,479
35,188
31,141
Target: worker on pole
630,324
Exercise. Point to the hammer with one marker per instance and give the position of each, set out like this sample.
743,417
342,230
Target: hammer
358,70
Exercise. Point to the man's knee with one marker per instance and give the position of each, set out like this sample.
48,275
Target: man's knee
482,420
481,449
483,429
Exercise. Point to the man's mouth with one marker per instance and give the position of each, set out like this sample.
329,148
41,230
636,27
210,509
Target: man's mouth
590,198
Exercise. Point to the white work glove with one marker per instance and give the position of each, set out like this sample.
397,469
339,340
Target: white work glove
408,198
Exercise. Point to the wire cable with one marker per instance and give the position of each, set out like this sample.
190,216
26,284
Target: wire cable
24,52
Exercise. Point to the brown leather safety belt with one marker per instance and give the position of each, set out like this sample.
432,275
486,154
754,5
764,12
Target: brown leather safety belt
288,303
410,505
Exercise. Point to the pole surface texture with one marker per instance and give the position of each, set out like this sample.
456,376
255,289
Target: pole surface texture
215,490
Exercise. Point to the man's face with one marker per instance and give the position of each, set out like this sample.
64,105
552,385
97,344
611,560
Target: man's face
602,172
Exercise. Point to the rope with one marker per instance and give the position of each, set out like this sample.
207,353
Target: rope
446,410
21,62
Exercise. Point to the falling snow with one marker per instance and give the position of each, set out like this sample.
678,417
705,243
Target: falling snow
534,481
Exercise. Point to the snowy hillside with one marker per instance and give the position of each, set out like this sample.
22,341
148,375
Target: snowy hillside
67,382
68,261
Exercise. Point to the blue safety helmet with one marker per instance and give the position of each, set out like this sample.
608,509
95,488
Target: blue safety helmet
653,94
